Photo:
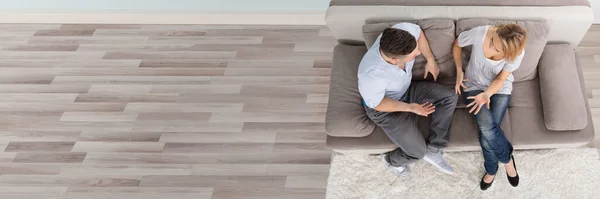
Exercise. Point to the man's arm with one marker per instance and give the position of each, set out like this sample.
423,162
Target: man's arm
431,66
390,105
424,48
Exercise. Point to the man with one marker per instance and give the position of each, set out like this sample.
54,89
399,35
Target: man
394,103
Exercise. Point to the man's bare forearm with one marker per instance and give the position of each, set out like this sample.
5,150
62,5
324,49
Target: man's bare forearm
390,105
424,47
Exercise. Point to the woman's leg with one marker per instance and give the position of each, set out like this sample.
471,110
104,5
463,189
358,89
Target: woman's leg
499,105
487,125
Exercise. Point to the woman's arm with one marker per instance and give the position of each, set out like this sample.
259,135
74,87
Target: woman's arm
484,97
457,54
497,83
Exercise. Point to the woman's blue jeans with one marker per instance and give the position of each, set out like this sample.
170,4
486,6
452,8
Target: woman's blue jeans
494,144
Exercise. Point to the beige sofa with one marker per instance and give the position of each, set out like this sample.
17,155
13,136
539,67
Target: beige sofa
548,108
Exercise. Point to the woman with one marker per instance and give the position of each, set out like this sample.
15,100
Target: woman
497,52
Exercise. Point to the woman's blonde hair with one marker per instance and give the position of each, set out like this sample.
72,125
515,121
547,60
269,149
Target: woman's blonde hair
513,38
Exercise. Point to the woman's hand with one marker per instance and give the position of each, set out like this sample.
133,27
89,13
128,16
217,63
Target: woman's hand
478,102
460,81
422,109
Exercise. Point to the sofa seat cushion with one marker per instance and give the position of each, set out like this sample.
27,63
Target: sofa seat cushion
529,131
345,115
439,33
526,94
537,36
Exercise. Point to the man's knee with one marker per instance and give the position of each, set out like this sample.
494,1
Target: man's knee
448,96
416,152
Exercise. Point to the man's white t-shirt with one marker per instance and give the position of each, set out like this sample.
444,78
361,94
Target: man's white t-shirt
377,78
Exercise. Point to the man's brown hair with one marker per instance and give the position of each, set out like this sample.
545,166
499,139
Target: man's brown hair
396,43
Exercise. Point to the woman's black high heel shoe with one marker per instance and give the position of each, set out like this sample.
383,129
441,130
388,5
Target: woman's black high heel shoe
514,181
483,185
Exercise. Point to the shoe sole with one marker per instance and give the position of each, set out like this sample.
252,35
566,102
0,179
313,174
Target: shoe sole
437,166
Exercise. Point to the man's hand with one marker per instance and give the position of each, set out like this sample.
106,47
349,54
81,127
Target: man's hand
422,109
433,68
478,102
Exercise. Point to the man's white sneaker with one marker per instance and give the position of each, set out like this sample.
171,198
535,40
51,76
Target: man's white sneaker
399,171
437,159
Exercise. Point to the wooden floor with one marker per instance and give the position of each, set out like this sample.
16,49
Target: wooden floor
168,111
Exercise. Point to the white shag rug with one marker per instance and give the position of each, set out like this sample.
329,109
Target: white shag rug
560,173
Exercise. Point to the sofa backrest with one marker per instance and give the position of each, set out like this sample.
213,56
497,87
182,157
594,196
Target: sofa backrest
569,20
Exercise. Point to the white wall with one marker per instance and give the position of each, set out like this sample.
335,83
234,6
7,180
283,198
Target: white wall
162,5
596,8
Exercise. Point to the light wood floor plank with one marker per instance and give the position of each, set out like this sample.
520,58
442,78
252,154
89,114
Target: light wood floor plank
30,169
102,136
267,117
184,63
211,181
21,146
32,136
217,137
65,32
37,97
168,55
60,106
50,55
195,80
71,181
148,32
88,40
270,64
206,40
138,192
146,147
175,147
149,158
46,157
260,169
32,192
42,88
125,169
69,63
141,107
98,117
317,98
40,47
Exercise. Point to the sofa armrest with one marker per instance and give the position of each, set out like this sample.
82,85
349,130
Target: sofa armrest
563,101
345,115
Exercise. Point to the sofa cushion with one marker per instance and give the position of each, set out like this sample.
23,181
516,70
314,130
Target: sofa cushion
537,36
563,101
526,94
345,115
529,131
439,33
